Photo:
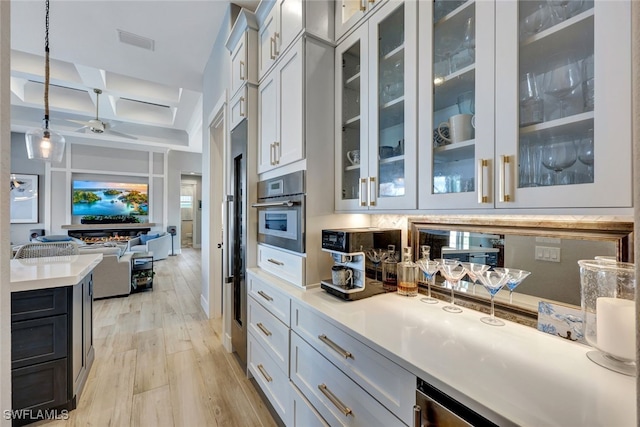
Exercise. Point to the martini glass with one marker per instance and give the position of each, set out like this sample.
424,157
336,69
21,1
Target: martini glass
452,271
474,270
493,281
376,256
430,269
515,277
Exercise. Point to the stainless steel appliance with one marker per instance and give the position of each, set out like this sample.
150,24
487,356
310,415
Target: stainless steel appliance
281,213
436,409
237,239
347,247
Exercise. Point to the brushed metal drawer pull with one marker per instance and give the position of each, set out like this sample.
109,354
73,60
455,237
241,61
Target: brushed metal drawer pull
265,296
274,261
345,410
503,196
263,329
344,353
264,373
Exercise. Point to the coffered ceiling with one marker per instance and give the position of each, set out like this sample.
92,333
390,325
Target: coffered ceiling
146,56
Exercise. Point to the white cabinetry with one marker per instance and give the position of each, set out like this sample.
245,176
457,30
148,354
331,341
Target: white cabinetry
376,112
540,140
283,264
243,45
281,21
238,107
351,12
283,125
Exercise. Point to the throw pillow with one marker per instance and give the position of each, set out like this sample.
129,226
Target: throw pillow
144,238
56,238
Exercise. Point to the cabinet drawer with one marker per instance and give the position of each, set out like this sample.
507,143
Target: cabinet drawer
285,265
238,107
302,412
39,303
38,340
274,383
39,386
275,301
271,332
339,400
389,383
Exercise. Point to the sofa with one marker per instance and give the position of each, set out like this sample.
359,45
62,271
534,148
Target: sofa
160,245
112,276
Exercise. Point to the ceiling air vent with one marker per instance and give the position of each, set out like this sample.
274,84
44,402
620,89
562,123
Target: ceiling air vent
136,40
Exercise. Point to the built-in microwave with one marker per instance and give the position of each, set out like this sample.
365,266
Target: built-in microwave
281,211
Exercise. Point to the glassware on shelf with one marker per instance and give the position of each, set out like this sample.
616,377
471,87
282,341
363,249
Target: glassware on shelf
376,256
536,21
493,281
515,277
588,83
452,271
608,307
530,163
469,38
585,153
445,48
466,103
562,79
561,10
474,270
559,154
390,270
531,103
407,275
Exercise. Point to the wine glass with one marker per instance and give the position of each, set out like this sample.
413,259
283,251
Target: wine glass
564,9
515,277
469,38
376,256
559,154
446,47
562,79
536,21
429,269
452,271
474,270
585,152
493,281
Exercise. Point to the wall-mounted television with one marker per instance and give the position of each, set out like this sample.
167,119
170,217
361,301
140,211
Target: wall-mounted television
109,198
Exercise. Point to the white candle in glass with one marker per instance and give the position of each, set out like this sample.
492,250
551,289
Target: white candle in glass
615,327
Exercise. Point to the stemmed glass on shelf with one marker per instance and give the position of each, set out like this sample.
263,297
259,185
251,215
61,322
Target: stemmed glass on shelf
429,269
585,153
559,154
474,270
493,281
452,271
562,79
376,256
515,277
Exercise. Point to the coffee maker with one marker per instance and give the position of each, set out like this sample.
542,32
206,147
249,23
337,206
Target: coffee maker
353,275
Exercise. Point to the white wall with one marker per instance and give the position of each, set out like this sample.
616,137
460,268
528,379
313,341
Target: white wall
5,254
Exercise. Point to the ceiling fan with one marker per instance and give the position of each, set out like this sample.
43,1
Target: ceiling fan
96,125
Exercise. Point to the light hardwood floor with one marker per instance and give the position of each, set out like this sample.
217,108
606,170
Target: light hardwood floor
160,361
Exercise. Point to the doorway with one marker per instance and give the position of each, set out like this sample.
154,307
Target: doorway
190,208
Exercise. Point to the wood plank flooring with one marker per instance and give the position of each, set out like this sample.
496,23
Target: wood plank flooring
160,361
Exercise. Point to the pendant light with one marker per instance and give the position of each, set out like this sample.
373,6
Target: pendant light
45,144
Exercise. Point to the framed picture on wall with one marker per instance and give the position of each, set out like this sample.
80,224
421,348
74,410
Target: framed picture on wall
24,199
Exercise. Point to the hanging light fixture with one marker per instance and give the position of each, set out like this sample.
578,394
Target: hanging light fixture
45,144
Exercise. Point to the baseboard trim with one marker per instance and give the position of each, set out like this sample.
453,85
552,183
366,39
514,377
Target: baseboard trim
226,342
204,303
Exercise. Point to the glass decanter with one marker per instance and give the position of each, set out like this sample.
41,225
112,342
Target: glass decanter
390,270
407,275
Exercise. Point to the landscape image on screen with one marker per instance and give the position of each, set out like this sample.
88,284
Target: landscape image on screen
109,198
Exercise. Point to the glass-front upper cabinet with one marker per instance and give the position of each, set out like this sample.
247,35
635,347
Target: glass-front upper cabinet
563,130
456,109
375,77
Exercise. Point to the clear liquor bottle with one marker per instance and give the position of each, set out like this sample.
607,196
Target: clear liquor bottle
390,270
407,275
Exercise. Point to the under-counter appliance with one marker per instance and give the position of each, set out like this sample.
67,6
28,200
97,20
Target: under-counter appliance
281,216
436,409
347,247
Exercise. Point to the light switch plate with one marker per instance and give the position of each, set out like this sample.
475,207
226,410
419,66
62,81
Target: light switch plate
546,253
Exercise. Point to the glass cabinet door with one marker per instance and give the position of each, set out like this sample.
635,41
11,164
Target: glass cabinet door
351,154
571,80
392,160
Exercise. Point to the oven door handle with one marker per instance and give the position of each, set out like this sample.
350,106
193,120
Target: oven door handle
287,203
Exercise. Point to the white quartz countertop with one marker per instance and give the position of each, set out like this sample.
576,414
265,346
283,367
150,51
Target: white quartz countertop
51,272
513,374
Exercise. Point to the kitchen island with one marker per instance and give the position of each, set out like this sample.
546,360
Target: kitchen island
510,375
51,334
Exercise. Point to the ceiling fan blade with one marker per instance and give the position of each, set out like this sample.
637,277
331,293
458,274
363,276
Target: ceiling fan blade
80,122
120,134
